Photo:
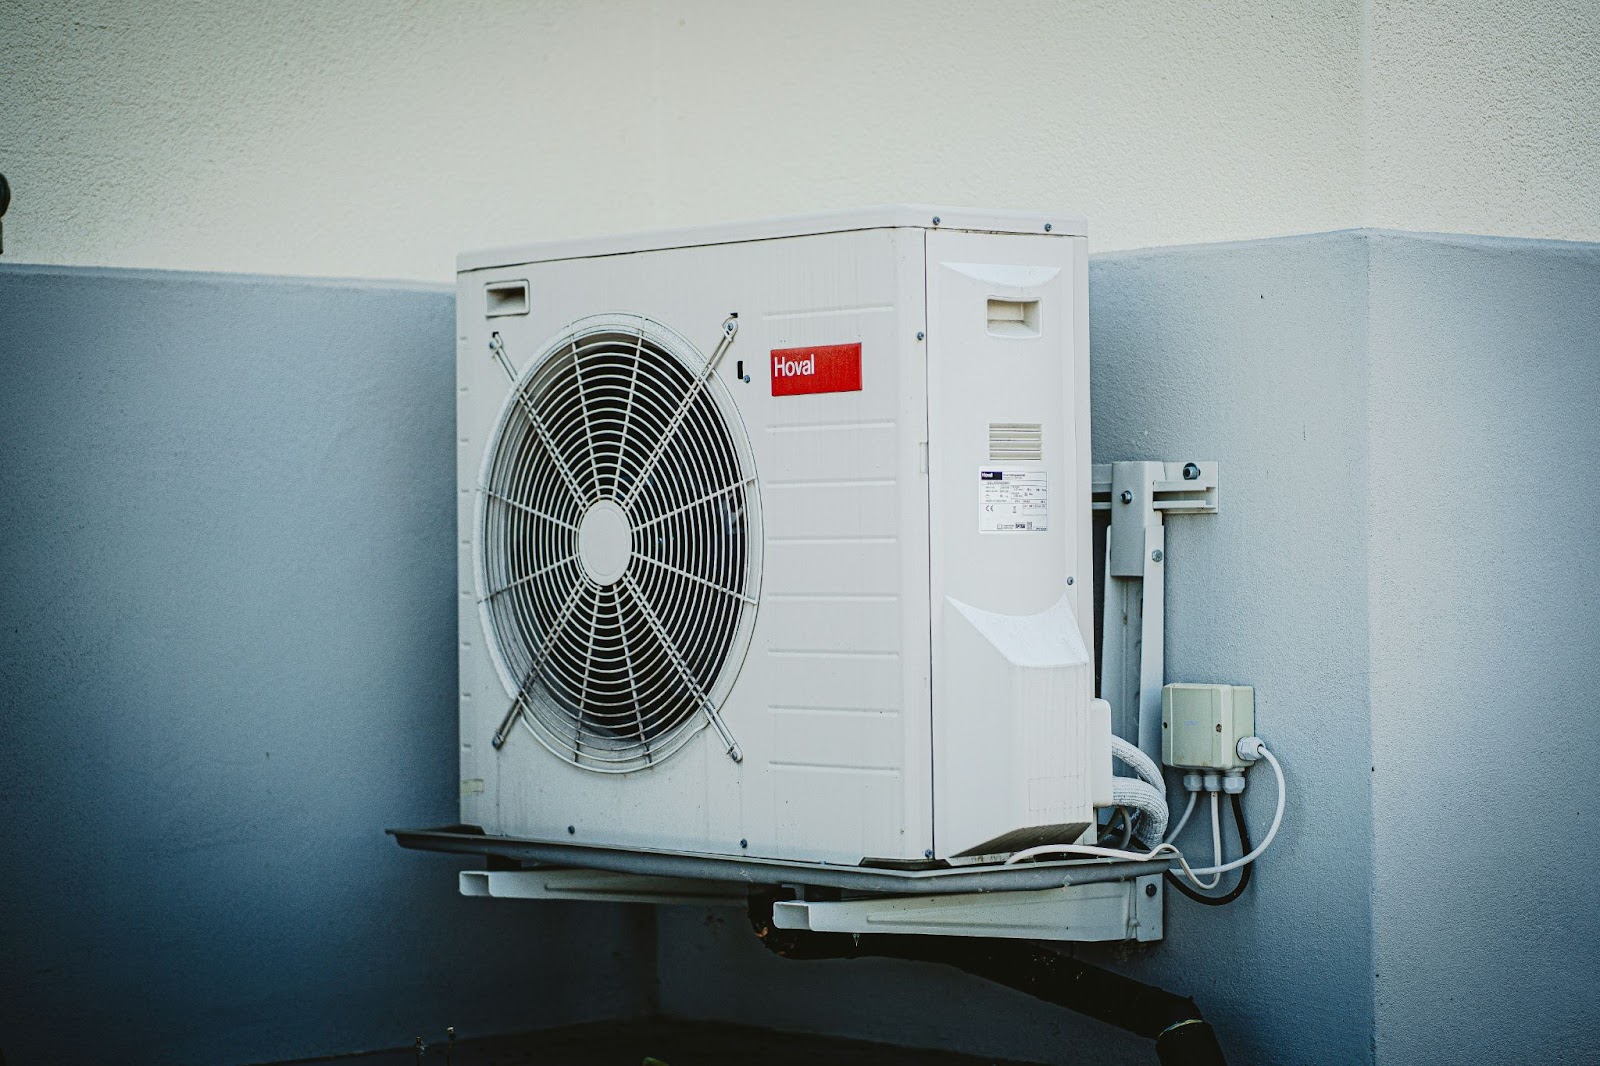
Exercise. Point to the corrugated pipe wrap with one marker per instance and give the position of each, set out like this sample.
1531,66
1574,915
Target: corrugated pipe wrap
1137,795
1146,793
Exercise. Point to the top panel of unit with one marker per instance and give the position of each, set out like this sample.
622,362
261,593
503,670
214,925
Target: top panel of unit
1064,224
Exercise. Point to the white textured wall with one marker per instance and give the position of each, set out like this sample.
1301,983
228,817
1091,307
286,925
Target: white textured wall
379,138
1483,116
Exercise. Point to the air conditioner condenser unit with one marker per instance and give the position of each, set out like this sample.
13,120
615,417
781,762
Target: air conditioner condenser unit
775,539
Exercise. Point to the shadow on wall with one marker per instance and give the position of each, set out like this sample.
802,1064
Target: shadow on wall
228,584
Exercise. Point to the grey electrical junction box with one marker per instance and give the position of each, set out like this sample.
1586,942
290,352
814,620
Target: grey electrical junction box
1201,725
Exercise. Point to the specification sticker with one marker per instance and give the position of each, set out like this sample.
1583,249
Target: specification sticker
1012,501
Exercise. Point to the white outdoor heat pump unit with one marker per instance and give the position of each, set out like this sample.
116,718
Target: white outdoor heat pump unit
775,540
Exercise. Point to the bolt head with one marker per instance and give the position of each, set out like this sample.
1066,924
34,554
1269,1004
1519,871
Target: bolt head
1156,556
747,379
1127,495
920,334
571,829
927,853
1150,891
935,220
743,843
1191,472
1070,580
1047,227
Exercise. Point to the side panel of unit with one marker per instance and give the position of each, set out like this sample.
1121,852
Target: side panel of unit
1011,595
479,382
832,704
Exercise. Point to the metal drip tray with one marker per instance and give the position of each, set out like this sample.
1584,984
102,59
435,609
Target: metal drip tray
465,840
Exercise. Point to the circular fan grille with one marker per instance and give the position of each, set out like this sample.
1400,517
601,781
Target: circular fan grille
618,543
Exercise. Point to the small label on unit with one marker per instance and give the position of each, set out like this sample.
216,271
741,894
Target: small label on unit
828,368
471,786
1012,501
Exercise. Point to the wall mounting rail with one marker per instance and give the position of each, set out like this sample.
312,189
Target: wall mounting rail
1137,495
1171,486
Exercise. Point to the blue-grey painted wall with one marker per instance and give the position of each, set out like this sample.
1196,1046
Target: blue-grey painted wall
1255,355
228,533
227,663
1403,565
1485,627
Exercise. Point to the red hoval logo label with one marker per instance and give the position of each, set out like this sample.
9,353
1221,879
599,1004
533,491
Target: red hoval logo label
829,368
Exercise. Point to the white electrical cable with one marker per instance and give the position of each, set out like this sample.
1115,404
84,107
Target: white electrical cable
1187,811
1277,820
1167,848
1094,852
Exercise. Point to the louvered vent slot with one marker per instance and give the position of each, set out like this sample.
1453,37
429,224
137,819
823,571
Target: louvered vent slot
1010,441
619,545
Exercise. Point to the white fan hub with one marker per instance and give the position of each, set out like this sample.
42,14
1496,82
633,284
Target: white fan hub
605,541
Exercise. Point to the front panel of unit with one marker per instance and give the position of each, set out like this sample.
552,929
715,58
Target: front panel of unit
830,707
1011,591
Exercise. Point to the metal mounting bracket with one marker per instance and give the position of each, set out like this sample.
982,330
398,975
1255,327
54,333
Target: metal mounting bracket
1101,911
1076,900
1133,631
600,885
1112,910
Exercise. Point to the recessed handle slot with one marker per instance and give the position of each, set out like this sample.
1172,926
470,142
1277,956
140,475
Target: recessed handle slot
505,298
1013,318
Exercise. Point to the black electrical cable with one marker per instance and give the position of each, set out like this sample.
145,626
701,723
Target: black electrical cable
1107,829
1244,874
1118,813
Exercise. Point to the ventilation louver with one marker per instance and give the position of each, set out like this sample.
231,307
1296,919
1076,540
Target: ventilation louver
1009,441
619,543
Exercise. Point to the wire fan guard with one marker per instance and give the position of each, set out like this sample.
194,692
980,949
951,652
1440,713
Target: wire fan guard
618,544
